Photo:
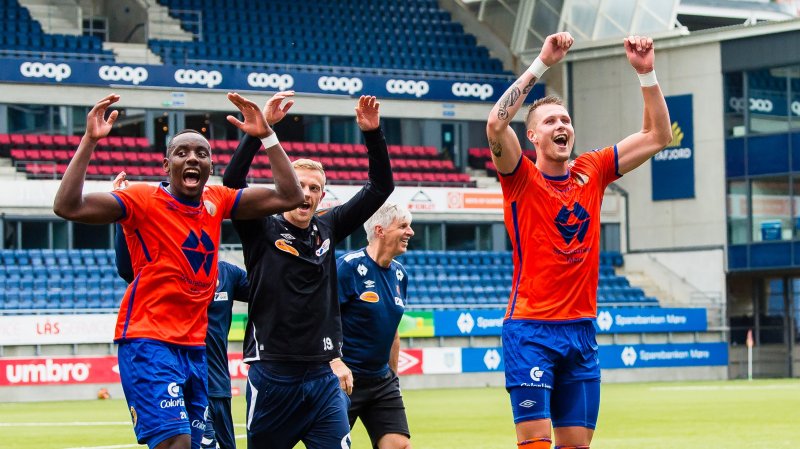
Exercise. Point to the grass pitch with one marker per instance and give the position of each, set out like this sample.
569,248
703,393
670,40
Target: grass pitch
689,415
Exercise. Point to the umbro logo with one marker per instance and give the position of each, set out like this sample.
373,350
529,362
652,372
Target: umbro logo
572,223
199,251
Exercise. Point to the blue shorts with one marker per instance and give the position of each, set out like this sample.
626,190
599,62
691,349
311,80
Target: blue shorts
552,372
289,403
165,386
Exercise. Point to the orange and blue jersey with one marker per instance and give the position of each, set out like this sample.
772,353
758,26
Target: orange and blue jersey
173,248
554,225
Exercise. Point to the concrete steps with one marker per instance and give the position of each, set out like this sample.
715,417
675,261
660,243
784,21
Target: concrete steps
56,16
132,53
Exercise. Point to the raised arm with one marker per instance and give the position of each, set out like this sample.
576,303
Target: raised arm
258,202
503,142
70,202
352,214
656,132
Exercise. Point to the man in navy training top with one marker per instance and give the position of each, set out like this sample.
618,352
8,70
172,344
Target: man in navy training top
231,285
293,337
372,295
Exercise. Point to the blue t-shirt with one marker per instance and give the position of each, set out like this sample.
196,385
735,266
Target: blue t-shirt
372,300
231,285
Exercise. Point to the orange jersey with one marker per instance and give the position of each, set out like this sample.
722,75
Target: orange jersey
554,225
173,247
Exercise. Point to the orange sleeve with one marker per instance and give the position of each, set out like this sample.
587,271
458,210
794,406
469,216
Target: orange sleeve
134,201
602,163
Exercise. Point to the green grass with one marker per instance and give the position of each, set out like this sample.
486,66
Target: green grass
688,415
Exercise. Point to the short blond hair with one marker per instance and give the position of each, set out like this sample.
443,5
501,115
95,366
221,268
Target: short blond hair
310,164
549,99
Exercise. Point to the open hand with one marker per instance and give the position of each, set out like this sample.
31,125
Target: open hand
367,113
255,123
273,112
97,126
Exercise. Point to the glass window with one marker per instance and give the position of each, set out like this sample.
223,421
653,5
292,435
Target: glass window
91,236
795,283
60,234
767,90
11,234
37,119
484,237
772,312
460,237
771,209
343,130
794,96
738,211
130,123
35,234
734,104
796,207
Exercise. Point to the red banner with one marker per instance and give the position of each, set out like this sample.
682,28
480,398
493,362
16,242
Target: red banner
410,362
58,371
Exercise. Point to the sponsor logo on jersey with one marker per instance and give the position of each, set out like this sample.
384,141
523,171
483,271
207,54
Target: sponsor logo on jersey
575,228
369,297
369,283
326,245
398,301
289,237
221,296
527,403
284,246
536,374
197,256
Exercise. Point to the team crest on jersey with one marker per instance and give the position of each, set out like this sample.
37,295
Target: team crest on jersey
326,245
211,208
572,223
369,297
199,251
400,275
361,269
284,246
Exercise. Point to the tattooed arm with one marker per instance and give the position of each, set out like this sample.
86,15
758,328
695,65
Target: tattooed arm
503,142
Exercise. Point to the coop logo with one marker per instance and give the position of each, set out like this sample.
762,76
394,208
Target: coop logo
628,356
340,84
536,374
202,77
273,80
482,91
410,87
756,104
576,228
133,75
604,320
48,371
465,323
49,70
491,359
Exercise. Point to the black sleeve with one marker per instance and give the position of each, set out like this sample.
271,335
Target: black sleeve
242,291
123,256
352,214
235,175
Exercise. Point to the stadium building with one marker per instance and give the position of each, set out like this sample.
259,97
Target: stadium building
699,245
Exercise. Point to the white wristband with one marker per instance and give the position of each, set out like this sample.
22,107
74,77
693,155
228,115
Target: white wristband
648,79
537,68
270,141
